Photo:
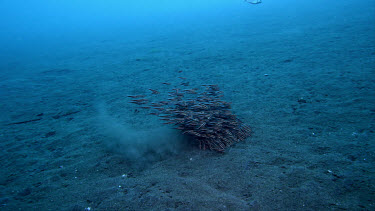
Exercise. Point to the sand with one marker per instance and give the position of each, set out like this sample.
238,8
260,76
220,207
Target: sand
70,139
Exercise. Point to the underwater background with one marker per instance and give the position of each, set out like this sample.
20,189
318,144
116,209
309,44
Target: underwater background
301,74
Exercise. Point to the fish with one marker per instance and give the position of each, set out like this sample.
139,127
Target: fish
140,101
190,91
154,91
204,116
136,96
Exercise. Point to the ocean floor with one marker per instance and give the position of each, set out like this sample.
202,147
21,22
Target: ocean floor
71,139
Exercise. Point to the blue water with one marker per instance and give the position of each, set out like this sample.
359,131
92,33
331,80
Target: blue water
33,30
299,73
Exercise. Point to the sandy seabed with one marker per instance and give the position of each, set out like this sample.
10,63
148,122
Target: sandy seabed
70,139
